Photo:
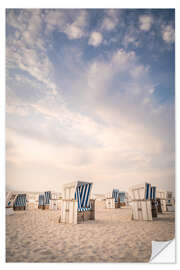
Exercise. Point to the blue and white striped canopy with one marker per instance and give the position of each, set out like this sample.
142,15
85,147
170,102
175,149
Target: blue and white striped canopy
82,195
148,191
20,200
153,193
115,194
47,197
41,199
44,199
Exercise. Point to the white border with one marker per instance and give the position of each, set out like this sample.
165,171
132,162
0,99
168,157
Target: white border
75,4
2,136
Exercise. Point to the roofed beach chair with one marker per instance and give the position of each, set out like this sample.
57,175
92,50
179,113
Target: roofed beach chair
44,200
20,202
115,195
141,202
55,201
77,205
161,197
122,197
112,199
41,201
10,199
47,197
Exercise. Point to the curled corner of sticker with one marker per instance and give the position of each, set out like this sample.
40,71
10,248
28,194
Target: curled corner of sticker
163,252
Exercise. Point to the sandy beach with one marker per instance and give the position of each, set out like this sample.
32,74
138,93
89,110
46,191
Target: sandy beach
36,236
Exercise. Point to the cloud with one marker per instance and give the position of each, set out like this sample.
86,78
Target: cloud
139,71
131,36
130,39
94,119
76,30
70,22
95,39
27,51
54,19
111,19
108,24
168,34
145,22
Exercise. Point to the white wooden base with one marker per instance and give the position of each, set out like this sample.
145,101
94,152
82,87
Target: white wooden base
69,211
163,206
71,215
110,203
141,210
55,204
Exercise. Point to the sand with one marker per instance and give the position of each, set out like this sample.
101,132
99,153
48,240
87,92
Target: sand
36,236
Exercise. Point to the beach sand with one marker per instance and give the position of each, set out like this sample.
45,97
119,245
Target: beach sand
36,236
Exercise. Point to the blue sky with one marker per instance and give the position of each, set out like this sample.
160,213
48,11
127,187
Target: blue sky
90,96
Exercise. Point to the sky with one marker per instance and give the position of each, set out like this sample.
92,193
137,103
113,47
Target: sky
90,96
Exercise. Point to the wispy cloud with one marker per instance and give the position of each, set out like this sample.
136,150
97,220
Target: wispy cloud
83,111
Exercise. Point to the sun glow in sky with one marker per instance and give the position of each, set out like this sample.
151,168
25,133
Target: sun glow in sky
90,96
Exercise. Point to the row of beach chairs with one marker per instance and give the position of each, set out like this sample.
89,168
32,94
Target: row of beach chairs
77,204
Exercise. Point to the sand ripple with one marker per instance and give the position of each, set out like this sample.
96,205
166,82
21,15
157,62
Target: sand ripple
36,236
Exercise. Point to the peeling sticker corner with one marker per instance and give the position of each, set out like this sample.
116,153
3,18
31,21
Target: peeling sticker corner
163,252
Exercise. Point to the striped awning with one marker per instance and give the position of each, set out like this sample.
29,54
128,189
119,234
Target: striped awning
41,199
82,195
147,191
20,200
115,194
153,193
47,197
44,199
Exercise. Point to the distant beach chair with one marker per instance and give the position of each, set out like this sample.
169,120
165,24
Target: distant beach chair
41,201
77,206
32,200
170,202
44,200
114,200
10,199
141,202
55,201
165,201
122,197
161,201
47,197
20,202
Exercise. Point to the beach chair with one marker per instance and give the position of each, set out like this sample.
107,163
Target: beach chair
41,201
47,197
32,200
10,199
141,202
20,202
153,201
55,201
122,197
77,205
115,195
113,201
170,207
44,200
161,196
